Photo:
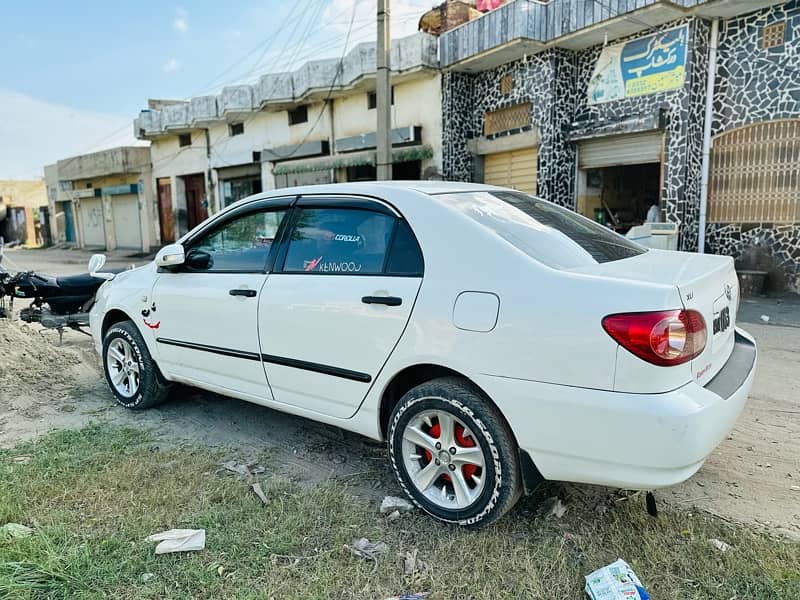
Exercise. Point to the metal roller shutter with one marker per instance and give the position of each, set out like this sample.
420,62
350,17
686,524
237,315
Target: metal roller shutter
125,212
92,225
612,151
515,169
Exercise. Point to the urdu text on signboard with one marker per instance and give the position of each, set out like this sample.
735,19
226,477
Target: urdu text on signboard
656,63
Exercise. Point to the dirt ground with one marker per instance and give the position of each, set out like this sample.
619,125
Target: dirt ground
753,477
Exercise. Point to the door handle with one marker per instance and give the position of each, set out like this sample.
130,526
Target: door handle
387,300
241,292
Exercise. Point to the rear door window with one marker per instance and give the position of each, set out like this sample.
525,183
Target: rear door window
339,241
551,234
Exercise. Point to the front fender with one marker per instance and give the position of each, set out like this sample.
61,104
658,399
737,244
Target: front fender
130,294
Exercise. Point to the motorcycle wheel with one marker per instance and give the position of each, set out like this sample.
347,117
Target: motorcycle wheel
131,373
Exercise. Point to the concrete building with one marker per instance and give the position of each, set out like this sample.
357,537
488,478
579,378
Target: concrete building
312,125
600,107
105,199
24,214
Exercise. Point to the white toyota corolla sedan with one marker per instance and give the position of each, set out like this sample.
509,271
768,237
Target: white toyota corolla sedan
493,339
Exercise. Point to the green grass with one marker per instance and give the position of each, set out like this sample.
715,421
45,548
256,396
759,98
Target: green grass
93,495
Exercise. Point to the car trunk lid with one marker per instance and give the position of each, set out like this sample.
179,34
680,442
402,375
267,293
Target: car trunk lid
706,283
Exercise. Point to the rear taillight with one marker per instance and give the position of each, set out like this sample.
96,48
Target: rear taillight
664,338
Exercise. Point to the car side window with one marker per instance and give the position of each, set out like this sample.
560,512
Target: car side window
343,241
405,255
241,245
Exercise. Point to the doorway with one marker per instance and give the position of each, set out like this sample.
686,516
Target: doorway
166,217
69,221
620,179
619,196
196,204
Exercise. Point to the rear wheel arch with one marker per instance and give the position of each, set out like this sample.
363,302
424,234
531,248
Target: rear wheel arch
414,375
411,377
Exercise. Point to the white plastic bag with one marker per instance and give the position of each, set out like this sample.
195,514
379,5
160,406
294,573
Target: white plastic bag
179,540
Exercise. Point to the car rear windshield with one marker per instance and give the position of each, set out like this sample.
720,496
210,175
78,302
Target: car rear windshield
555,236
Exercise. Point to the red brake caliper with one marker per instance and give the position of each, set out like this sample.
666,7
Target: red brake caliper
466,442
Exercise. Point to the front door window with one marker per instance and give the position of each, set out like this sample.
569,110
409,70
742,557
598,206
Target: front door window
242,245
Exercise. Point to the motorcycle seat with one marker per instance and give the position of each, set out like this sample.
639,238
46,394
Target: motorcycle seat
83,284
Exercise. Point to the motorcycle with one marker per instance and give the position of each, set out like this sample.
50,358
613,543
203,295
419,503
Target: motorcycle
56,302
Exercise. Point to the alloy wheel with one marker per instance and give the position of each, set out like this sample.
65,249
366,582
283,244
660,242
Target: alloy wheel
123,367
443,459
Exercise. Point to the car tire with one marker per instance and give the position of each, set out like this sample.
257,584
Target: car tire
493,481
131,373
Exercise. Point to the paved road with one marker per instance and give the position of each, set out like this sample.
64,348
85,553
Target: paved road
65,262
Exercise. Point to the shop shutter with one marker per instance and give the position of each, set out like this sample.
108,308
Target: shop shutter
515,169
638,149
92,226
125,212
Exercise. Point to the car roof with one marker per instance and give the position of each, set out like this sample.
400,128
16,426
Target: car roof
371,188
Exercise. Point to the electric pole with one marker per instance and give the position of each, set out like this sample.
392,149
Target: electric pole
383,93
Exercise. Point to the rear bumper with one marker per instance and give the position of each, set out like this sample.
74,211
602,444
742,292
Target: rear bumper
634,441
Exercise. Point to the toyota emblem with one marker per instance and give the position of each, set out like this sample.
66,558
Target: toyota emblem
728,292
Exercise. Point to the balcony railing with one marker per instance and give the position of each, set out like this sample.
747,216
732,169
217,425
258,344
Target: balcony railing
310,81
541,24
175,116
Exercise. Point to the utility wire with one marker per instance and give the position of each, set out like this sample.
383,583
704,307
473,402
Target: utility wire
268,40
339,68
314,15
293,17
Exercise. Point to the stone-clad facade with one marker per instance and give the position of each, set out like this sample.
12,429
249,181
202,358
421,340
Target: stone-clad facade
555,82
753,85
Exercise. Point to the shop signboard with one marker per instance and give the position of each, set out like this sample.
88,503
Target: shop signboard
646,65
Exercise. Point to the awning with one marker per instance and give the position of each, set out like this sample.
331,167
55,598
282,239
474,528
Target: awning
352,159
234,172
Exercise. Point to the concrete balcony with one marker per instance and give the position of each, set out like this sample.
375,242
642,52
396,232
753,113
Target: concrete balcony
361,60
528,26
315,75
235,100
313,80
277,91
203,110
175,117
148,123
124,160
415,52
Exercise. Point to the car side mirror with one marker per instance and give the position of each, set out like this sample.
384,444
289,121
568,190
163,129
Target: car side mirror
171,255
199,260
95,264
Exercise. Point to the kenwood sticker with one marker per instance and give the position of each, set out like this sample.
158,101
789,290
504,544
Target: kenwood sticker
339,267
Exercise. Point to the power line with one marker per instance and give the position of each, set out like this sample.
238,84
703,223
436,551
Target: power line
330,89
291,16
217,147
314,14
269,40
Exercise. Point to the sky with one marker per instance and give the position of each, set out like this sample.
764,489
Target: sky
73,75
